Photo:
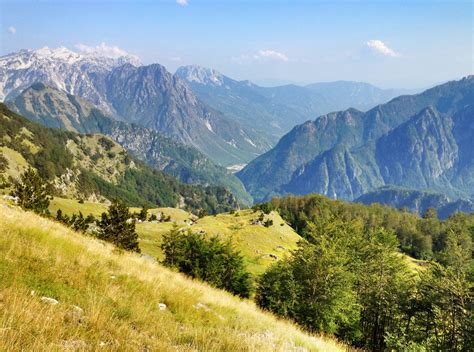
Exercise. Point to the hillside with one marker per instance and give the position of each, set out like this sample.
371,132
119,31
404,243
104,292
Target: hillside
111,300
52,107
418,142
261,246
95,167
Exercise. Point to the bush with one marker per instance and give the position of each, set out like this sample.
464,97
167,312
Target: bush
210,260
268,223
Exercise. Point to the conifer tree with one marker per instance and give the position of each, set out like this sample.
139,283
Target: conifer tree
31,192
118,226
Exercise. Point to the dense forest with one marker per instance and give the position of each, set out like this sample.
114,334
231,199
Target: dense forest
353,277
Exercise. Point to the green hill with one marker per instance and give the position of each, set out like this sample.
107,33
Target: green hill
108,300
95,167
261,246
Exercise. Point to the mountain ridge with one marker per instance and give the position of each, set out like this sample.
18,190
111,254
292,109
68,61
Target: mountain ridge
418,141
54,108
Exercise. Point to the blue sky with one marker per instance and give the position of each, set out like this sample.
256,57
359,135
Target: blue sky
410,44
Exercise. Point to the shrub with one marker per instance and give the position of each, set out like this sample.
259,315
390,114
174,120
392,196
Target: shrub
209,260
268,223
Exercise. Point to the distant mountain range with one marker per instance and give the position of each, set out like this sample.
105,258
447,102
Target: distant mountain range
196,122
273,111
419,142
146,95
52,107
417,201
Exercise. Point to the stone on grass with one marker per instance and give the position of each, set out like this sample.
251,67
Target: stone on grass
49,300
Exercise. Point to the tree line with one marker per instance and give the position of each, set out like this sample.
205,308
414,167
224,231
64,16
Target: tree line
350,278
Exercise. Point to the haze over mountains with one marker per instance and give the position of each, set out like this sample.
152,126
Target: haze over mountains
147,95
194,123
273,111
419,142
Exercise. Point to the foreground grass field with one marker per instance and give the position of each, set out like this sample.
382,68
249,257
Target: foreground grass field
110,301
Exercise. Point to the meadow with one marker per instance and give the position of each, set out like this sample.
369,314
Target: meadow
111,300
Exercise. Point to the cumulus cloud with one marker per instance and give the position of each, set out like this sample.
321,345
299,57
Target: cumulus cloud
271,54
102,49
11,30
380,47
261,55
182,2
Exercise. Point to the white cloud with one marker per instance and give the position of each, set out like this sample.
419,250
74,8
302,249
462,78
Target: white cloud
381,48
11,30
176,59
103,50
182,2
271,54
261,55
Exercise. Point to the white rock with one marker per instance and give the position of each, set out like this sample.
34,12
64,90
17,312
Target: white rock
49,300
161,306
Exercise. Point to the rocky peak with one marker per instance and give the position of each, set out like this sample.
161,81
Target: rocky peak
202,75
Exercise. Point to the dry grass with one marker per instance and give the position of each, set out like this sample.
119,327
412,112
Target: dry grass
119,294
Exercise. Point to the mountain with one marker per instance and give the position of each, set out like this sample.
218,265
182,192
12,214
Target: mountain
151,97
147,95
95,167
52,107
359,95
418,142
417,201
242,101
273,111
78,74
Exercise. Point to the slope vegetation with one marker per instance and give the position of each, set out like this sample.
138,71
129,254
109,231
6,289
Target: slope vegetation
94,166
116,301
420,142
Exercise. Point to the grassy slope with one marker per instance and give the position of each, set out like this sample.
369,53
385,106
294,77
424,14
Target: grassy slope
255,242
119,294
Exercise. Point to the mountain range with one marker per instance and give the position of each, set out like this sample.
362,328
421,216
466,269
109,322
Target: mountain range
420,142
417,201
149,96
52,107
273,111
197,124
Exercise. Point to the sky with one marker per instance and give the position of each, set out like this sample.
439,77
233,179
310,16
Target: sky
397,44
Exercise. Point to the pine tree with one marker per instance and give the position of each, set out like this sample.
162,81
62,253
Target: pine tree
118,227
31,192
142,215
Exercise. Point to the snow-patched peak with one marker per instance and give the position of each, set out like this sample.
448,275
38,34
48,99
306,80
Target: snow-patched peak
69,70
24,59
202,75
